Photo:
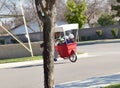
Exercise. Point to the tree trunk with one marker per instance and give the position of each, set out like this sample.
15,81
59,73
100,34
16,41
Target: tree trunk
48,53
48,20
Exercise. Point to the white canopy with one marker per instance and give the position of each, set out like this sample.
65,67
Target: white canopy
66,27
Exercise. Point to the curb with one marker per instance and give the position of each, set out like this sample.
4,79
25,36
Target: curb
31,63
99,42
20,64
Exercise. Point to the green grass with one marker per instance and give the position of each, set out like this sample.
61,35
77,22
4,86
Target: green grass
20,59
80,52
113,86
24,59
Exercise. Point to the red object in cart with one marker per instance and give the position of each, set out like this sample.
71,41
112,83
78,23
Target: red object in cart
67,51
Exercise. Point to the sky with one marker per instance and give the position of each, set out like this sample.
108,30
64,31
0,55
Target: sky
5,10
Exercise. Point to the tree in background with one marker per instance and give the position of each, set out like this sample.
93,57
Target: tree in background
76,12
46,10
105,20
60,10
112,2
116,8
11,9
31,9
94,10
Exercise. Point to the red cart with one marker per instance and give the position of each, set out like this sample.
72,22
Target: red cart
67,50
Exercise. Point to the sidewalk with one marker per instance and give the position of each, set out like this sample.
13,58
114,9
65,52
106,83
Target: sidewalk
31,63
94,82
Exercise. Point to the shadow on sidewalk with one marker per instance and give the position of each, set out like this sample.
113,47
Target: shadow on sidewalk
95,82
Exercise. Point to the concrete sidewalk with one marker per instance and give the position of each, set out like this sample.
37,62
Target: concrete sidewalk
94,82
31,63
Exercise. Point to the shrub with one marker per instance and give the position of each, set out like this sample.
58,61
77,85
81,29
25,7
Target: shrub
114,32
99,33
105,20
2,41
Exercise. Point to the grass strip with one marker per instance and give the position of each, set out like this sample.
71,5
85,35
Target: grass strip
113,86
20,59
11,60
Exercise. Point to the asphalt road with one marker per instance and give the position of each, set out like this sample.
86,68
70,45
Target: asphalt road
104,59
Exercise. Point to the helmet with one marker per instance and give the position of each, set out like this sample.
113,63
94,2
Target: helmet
71,36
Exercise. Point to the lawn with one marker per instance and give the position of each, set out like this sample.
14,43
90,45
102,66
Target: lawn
24,59
113,86
20,59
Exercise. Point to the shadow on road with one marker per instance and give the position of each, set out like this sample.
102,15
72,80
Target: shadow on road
37,65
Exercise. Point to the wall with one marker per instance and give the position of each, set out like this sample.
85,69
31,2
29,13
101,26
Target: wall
91,32
17,50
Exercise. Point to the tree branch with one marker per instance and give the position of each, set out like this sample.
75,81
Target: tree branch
2,4
39,9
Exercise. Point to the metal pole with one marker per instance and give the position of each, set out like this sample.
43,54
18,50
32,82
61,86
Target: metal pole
15,37
28,37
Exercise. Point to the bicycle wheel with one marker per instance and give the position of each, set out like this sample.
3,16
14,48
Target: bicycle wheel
73,57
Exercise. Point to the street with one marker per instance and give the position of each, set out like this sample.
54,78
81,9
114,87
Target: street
104,59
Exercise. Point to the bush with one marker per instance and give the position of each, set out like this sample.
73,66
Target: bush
2,41
99,33
115,32
105,20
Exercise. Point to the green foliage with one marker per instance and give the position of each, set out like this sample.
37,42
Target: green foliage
113,86
99,33
75,12
11,60
116,8
105,20
115,32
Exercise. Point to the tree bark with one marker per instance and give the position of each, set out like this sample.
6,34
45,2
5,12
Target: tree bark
47,15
